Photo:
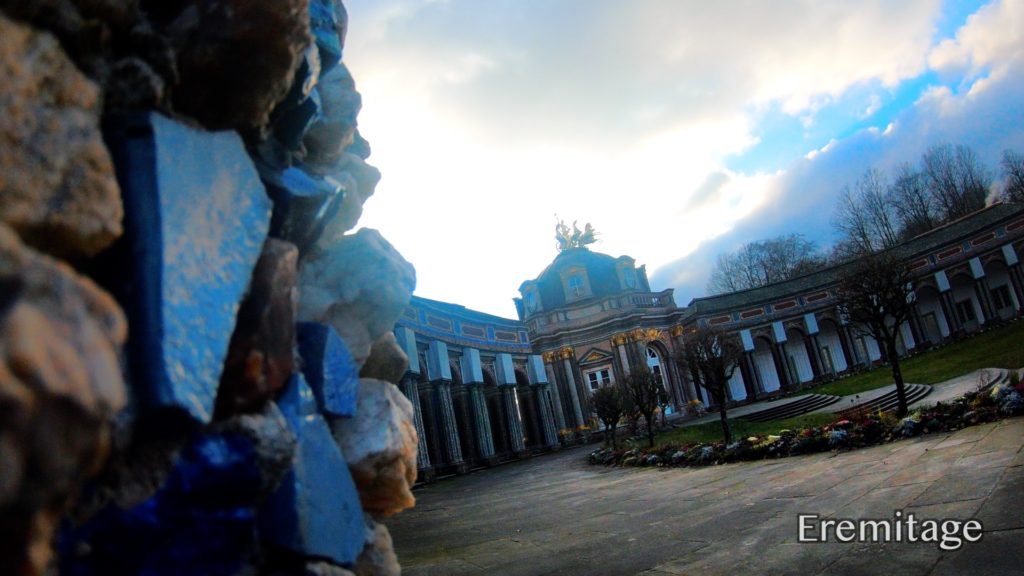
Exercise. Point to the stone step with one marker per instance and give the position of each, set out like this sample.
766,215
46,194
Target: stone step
888,401
795,408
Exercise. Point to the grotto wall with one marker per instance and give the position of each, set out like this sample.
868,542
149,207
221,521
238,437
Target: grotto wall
197,369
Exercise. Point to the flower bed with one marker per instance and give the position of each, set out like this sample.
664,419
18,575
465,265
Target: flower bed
977,407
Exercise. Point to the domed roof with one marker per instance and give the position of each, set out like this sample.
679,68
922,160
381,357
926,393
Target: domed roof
602,277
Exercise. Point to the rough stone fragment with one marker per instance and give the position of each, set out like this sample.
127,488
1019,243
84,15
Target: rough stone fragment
315,511
327,139
359,146
359,284
260,356
387,361
192,239
379,444
328,368
235,58
202,521
60,337
303,204
378,557
323,23
56,179
360,180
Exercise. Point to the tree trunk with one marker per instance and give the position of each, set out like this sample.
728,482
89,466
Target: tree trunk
649,418
725,421
612,427
897,377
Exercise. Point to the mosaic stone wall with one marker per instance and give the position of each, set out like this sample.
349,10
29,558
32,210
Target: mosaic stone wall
197,368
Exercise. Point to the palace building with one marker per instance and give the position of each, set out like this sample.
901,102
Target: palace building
488,389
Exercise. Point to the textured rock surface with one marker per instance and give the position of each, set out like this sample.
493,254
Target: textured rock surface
60,337
379,445
327,139
387,361
378,557
192,239
359,284
315,511
360,179
202,521
328,368
235,58
303,204
260,356
56,179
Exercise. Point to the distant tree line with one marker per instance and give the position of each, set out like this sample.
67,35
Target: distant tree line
878,211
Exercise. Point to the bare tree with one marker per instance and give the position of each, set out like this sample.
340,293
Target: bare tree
957,182
642,388
1012,166
914,207
606,402
763,262
876,296
711,357
865,216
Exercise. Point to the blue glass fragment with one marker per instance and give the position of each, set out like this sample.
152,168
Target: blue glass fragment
201,522
315,510
329,368
192,238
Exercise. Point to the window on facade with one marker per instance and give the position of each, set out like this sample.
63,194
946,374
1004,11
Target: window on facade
862,348
654,362
598,378
965,311
1001,297
576,285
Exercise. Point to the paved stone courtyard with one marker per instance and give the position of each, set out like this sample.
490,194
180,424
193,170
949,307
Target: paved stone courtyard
557,515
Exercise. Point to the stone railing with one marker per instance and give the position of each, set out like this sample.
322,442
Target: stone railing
209,389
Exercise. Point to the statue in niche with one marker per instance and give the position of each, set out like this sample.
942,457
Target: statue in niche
573,239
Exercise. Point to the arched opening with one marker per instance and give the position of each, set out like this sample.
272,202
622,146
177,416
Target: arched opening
934,324
965,302
526,405
463,409
764,363
499,429
1001,295
832,349
797,360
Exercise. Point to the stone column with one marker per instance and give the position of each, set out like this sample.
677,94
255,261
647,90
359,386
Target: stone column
473,378
449,428
619,341
981,290
440,374
482,422
505,373
577,409
550,433
946,301
515,425
751,381
410,387
556,398
1013,271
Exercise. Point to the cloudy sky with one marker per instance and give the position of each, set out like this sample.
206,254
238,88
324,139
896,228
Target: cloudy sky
678,129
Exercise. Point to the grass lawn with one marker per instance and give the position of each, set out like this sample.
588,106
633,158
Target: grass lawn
712,431
1001,347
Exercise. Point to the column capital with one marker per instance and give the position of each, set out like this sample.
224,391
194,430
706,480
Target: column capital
566,353
619,339
549,357
677,330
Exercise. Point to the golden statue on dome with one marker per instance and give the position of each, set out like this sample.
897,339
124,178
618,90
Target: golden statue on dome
573,239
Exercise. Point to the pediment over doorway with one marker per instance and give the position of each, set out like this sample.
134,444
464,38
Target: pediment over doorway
595,356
